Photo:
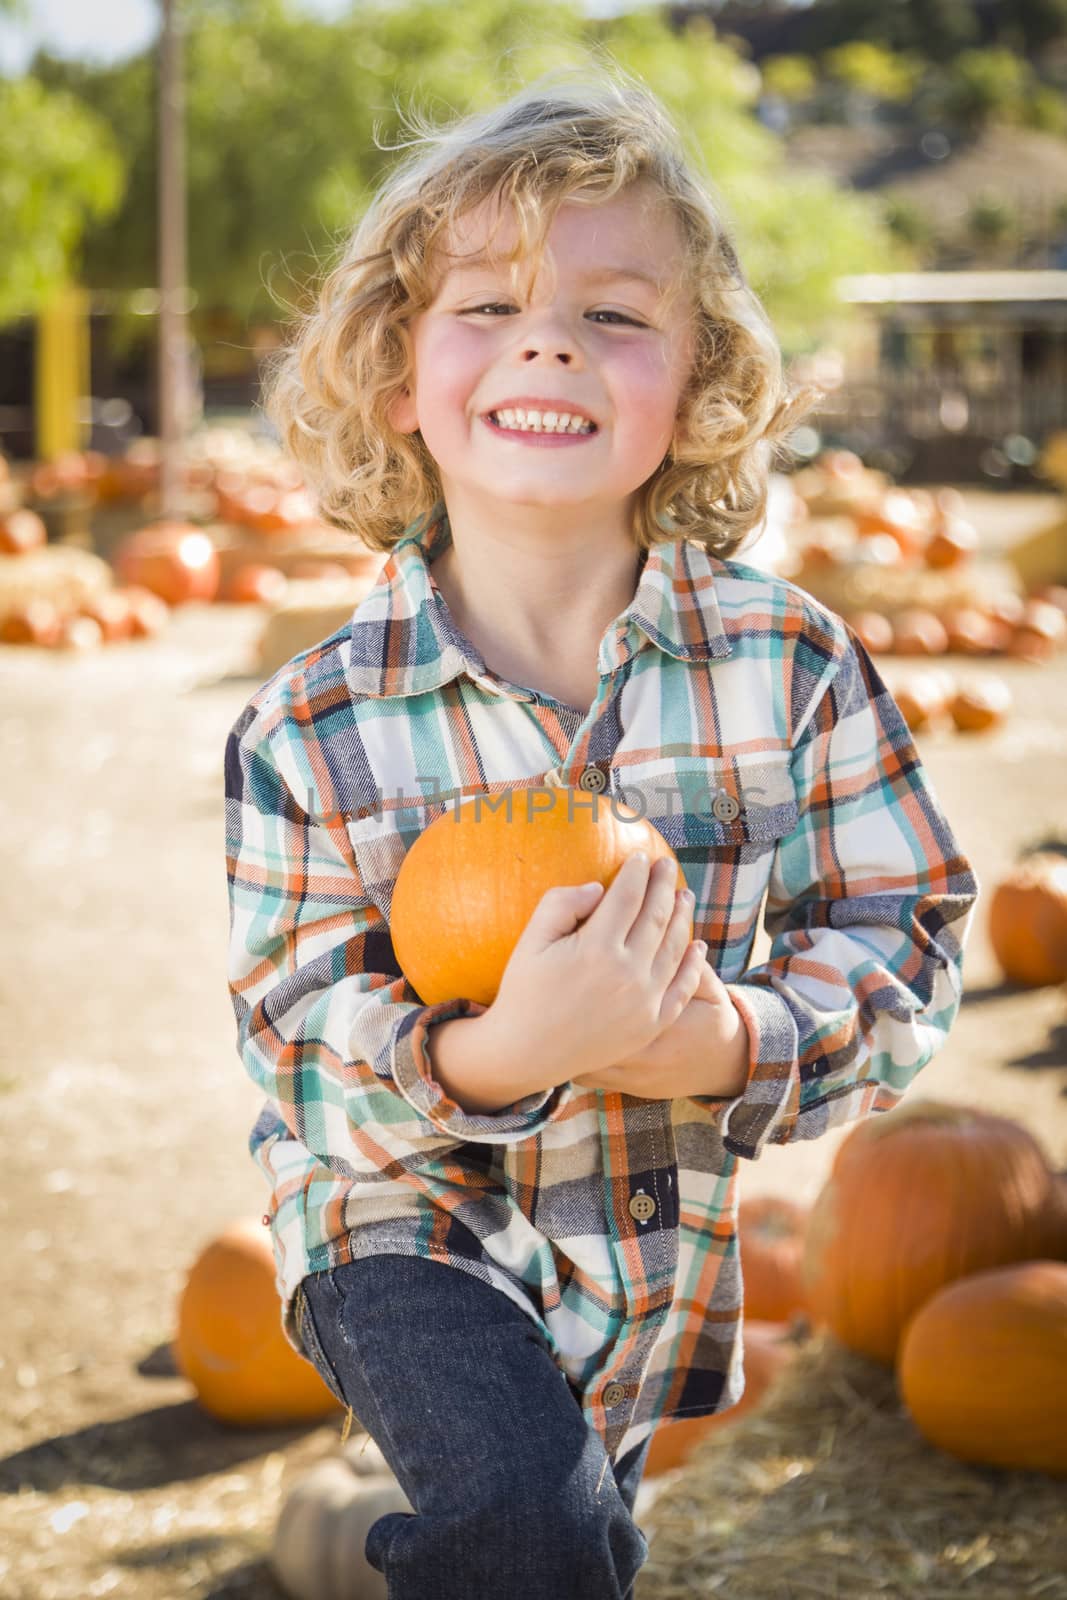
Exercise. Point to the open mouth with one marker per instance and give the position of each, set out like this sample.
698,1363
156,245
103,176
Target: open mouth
517,419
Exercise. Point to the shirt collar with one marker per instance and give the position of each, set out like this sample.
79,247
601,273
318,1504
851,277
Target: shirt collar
404,640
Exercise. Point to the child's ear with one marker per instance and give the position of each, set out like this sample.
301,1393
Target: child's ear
401,411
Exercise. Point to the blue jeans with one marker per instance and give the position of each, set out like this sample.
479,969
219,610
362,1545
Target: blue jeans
460,1390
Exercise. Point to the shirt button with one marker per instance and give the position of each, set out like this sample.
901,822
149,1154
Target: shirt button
613,1394
593,780
724,808
642,1206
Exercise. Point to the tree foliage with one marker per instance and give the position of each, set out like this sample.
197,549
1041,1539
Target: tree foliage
60,172
292,120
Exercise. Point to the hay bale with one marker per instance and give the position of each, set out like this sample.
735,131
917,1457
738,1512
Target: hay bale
867,587
66,575
236,547
828,1490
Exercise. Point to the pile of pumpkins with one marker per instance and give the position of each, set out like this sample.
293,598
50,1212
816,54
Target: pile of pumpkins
62,597
928,700
937,1246
250,534
909,551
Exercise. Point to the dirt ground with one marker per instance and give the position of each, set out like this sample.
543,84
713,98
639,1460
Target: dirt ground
125,1111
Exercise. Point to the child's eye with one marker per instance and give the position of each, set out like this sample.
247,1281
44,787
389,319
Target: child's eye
491,306
617,317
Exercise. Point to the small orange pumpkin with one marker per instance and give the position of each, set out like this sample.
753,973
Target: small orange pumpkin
982,1368
916,1198
768,1351
471,881
1028,920
981,704
230,1343
771,1230
254,584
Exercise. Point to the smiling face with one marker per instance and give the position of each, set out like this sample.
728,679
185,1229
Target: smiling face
561,391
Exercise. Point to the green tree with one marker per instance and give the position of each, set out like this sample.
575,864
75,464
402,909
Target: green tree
936,29
874,70
992,226
291,120
984,86
60,172
792,78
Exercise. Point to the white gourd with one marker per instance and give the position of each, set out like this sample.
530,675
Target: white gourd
318,1550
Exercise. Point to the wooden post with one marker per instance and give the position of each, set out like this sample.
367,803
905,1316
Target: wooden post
173,366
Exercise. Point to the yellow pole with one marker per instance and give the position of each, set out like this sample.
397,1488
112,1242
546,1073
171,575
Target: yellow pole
61,374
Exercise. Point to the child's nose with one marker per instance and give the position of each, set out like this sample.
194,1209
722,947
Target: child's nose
550,339
535,352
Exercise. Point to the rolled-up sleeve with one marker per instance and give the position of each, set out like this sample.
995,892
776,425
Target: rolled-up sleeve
327,1025
867,909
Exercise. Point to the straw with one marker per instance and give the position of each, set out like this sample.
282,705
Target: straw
828,1490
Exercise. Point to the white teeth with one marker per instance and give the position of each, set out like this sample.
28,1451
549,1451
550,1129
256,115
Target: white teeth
526,421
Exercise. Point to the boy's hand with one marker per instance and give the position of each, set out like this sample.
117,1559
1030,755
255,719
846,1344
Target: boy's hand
705,1052
597,974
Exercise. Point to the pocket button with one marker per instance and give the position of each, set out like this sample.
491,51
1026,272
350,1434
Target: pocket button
724,808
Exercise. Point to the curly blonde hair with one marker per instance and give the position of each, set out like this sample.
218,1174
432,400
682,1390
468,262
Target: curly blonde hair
329,389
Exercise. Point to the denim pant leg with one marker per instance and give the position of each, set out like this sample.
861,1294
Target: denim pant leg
459,1388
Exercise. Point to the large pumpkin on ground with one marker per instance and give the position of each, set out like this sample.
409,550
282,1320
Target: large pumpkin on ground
768,1351
917,1198
983,1368
470,883
1028,920
230,1343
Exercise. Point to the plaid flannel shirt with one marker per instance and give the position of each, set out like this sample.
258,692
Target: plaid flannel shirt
750,727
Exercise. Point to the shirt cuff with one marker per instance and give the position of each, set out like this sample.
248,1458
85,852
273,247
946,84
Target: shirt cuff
770,1099
413,1076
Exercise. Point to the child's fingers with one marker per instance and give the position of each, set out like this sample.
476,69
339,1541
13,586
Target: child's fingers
685,985
676,937
625,895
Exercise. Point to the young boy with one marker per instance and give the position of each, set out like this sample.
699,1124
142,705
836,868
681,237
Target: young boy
506,1235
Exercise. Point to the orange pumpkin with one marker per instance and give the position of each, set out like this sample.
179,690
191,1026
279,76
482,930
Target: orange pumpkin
873,630
768,1351
471,881
148,613
980,705
919,633
111,611
1028,920
1041,631
951,544
230,1343
21,531
39,621
771,1232
917,1198
255,584
983,1366
175,560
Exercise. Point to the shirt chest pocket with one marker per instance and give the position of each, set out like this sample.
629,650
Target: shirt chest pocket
723,819
380,842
